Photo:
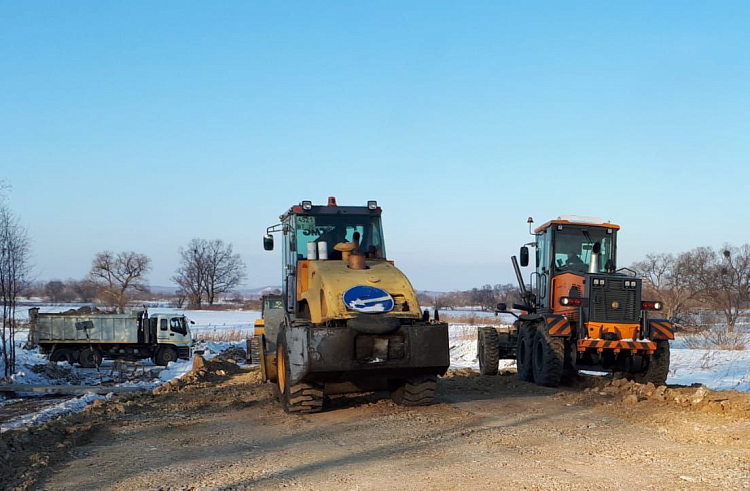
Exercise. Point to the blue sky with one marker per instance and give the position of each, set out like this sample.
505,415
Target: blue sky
140,125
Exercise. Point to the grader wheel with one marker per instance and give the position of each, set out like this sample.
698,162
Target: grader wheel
488,350
548,358
524,358
658,366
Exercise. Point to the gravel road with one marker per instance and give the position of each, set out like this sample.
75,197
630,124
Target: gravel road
484,433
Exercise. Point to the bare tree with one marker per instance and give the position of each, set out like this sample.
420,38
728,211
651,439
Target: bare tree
722,279
119,275
668,277
85,290
192,271
224,270
54,289
208,269
14,271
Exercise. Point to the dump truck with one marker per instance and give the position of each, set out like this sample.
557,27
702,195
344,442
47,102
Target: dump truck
87,339
349,319
580,312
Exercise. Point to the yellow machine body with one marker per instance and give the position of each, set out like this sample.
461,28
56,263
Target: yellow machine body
320,285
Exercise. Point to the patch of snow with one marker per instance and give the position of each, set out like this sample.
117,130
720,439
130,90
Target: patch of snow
59,409
716,369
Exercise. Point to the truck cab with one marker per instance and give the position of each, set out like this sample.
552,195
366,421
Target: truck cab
172,330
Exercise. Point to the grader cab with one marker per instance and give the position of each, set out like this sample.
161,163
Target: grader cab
348,319
581,312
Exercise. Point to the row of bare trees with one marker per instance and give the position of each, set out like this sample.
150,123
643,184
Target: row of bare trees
700,278
208,269
485,297
14,275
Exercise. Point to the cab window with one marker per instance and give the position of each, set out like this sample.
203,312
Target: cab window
177,324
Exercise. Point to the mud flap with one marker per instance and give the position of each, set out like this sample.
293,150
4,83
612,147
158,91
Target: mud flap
297,343
557,325
660,329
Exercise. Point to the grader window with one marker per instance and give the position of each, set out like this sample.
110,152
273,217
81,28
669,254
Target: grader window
574,249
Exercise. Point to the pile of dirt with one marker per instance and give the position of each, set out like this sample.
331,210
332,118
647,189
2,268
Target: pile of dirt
233,354
57,373
86,310
695,398
204,372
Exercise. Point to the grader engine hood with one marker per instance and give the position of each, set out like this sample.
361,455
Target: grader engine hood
333,291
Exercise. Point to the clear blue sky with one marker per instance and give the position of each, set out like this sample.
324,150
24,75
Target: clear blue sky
140,125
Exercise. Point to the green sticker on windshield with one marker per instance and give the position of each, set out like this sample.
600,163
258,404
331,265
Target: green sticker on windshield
305,223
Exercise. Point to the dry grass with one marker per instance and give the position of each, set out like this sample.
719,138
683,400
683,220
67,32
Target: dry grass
473,319
222,335
721,340
463,332
220,307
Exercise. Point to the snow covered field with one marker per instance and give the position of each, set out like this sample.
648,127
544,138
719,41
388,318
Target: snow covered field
714,368
30,364
717,369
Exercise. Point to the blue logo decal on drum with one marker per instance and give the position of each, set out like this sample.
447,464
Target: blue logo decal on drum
368,299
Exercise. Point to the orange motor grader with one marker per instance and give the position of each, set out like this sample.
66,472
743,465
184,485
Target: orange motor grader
581,312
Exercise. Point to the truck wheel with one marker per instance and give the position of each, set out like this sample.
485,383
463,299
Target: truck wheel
303,397
419,391
488,350
90,358
658,366
64,354
523,353
548,358
165,355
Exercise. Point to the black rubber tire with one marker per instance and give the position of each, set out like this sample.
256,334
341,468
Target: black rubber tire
658,366
488,350
418,391
90,358
524,362
304,397
165,355
253,354
64,354
548,358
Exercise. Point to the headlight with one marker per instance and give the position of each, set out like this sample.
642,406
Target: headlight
307,205
372,205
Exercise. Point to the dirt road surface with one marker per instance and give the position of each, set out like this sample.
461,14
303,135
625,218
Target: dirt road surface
484,433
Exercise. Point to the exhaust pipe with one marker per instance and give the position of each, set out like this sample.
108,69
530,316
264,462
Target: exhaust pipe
594,266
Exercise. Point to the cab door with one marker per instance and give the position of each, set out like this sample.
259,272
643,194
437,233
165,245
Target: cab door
162,330
289,258
543,264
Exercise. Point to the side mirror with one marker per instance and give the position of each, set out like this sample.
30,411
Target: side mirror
192,322
524,256
268,242
501,307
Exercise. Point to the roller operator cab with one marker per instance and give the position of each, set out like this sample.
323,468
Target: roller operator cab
582,312
348,320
